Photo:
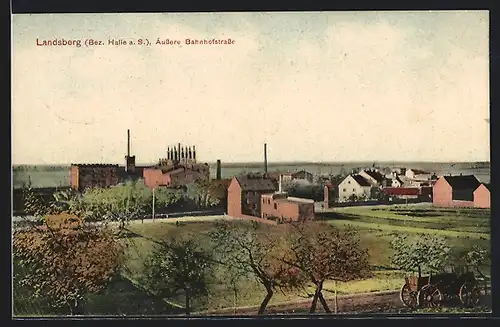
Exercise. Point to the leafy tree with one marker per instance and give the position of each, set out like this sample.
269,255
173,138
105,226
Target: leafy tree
252,251
64,260
423,253
179,268
322,252
199,193
353,198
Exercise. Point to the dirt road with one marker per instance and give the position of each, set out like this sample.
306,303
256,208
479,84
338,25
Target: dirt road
372,302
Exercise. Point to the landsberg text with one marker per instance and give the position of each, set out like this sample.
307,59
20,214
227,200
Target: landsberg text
59,42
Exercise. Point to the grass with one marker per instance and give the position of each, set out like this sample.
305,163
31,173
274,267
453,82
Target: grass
464,223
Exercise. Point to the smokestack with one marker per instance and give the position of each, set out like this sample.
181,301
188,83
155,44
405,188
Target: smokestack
128,142
218,170
168,153
194,153
190,153
279,185
265,158
178,151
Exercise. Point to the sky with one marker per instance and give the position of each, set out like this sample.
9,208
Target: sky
314,86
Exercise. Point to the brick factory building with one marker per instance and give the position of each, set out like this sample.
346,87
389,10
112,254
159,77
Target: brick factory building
257,197
455,191
482,196
178,169
83,176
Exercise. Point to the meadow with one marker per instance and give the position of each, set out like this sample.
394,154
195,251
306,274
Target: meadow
377,226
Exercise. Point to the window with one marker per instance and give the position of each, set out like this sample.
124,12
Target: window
343,190
275,206
353,190
254,206
348,182
263,200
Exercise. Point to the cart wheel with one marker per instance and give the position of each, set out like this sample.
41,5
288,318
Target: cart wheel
429,296
408,296
469,294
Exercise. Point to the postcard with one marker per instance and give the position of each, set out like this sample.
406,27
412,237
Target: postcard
251,163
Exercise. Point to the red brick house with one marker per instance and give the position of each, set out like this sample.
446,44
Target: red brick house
482,196
244,196
280,207
455,191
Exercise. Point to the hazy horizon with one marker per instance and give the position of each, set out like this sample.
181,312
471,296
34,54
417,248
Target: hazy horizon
315,86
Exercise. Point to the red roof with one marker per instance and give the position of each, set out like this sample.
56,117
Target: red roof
401,190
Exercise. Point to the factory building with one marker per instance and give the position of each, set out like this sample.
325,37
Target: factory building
83,176
178,169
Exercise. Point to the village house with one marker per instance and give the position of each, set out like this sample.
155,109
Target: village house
482,196
244,195
392,180
455,191
372,176
417,174
257,198
401,192
354,187
282,208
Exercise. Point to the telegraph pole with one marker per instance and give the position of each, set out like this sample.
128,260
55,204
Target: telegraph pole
154,203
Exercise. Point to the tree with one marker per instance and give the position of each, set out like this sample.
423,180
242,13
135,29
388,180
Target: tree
179,268
65,259
253,251
422,253
323,252
200,194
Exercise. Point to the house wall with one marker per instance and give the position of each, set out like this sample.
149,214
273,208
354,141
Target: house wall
281,209
234,199
482,197
349,186
154,177
73,173
442,193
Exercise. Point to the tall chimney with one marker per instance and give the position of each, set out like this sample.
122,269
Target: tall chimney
265,158
178,151
128,142
279,185
194,153
219,173
168,153
190,153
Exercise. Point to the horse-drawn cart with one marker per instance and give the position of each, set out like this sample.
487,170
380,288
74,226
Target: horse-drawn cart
433,290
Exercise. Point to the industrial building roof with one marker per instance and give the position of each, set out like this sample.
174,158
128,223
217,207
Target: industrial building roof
256,184
463,182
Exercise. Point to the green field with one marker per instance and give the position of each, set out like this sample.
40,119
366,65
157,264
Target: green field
377,226
464,228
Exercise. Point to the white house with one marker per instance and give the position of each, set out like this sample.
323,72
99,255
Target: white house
417,174
393,180
354,185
